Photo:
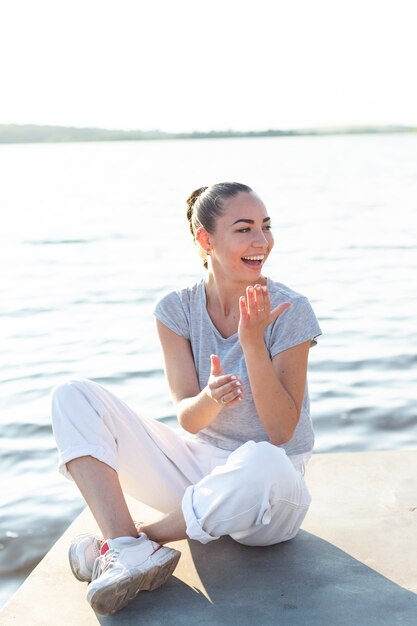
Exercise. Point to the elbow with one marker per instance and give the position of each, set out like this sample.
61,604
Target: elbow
189,429
280,439
187,426
283,435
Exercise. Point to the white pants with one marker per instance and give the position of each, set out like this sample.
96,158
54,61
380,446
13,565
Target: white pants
255,494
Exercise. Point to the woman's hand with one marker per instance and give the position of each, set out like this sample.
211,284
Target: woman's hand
256,315
225,389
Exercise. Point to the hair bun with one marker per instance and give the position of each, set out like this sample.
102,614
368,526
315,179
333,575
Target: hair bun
191,200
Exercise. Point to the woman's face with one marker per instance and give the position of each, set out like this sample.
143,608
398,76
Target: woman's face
243,239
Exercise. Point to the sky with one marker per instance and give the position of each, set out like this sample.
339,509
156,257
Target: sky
184,65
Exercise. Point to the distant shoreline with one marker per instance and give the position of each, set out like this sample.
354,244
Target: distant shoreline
32,133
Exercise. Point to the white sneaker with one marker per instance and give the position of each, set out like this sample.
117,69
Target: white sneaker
82,553
125,569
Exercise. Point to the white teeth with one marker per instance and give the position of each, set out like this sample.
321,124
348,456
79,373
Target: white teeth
260,257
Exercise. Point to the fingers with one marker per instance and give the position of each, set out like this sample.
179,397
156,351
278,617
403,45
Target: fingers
216,368
221,381
251,301
260,299
230,393
227,385
257,304
225,389
243,309
256,301
280,309
266,301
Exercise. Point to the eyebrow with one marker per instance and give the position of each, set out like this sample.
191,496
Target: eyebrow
247,221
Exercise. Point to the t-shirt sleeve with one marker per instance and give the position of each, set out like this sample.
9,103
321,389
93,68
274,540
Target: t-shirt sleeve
294,326
170,311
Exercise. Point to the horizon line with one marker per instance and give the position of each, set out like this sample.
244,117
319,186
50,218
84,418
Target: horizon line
37,133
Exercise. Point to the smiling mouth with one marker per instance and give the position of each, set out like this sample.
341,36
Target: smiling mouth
254,261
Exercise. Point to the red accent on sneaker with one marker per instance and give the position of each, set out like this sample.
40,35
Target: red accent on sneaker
104,548
158,548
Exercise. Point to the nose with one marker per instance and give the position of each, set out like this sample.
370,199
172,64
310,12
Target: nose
260,240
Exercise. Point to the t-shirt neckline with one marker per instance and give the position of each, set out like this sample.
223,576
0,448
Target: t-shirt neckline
210,321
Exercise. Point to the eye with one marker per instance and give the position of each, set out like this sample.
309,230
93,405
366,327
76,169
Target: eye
267,227
243,230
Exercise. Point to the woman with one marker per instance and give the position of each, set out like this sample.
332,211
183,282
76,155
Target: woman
235,348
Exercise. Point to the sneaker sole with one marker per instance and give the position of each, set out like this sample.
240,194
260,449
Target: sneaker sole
111,598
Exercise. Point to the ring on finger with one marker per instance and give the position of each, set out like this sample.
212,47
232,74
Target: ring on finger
222,400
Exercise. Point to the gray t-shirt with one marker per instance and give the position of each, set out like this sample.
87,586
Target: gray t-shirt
185,313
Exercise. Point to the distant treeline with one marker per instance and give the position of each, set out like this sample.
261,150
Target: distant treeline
31,133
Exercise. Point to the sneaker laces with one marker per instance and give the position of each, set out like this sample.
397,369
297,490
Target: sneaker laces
103,562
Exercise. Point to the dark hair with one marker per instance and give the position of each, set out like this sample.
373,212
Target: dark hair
204,206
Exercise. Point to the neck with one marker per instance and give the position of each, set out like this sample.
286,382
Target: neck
224,294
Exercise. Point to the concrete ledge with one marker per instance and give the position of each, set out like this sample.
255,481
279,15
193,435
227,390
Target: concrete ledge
353,563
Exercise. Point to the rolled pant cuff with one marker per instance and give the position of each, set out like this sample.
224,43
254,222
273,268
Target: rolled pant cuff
97,452
193,527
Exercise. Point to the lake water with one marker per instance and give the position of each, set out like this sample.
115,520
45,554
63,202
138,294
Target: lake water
92,234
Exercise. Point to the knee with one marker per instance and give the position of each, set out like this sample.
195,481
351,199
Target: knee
63,395
64,389
260,450
258,458
260,467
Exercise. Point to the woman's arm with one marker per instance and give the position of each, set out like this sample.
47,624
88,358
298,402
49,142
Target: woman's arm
195,408
277,386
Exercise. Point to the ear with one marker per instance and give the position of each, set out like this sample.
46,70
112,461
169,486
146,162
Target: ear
203,239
